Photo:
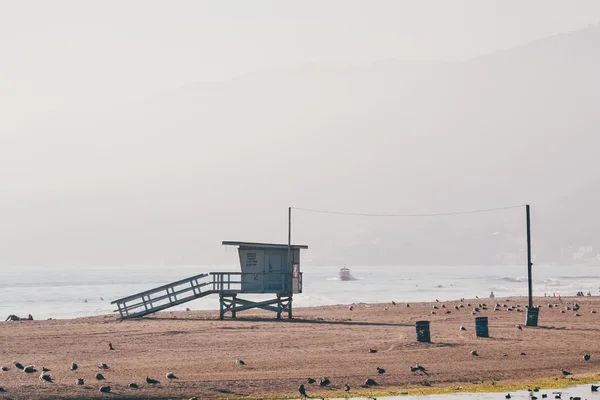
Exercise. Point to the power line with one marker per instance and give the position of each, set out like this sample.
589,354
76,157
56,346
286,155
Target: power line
406,215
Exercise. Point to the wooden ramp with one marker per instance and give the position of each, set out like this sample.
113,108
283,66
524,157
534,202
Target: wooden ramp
163,297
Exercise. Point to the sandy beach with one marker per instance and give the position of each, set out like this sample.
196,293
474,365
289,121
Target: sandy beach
331,341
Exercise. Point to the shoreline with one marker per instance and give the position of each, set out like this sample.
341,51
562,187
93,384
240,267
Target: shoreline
329,341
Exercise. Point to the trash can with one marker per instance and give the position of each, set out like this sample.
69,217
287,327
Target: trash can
481,327
423,334
532,316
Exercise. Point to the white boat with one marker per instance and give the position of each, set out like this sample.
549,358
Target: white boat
345,275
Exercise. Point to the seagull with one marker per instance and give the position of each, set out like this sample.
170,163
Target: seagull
419,368
2,390
346,388
103,366
523,353
302,391
44,369
565,373
474,353
80,381
508,396
380,371
370,382
18,365
519,327
3,368
151,381
462,328
46,377
74,366
587,357
240,362
104,389
310,381
171,375
350,308
110,346
393,302
29,369
372,351
133,385
324,382
595,388
99,376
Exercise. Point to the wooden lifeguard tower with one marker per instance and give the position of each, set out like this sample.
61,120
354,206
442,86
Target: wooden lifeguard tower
266,268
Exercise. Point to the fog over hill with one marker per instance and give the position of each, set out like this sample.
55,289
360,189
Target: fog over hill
165,178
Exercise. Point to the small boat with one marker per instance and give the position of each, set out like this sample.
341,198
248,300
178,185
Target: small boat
345,275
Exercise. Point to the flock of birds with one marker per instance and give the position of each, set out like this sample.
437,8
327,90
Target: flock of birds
324,382
557,395
369,382
47,377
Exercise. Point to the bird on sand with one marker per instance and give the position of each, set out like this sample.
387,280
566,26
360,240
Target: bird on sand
74,366
110,346
565,373
3,368
240,362
393,302
46,377
474,353
372,351
370,382
44,369
18,365
346,388
519,327
2,390
419,368
29,369
508,396
310,381
324,382
171,375
380,371
133,385
351,308
99,376
151,381
104,389
587,357
595,388
80,381
103,366
462,328
302,390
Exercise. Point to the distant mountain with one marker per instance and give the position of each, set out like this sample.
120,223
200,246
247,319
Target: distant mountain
167,178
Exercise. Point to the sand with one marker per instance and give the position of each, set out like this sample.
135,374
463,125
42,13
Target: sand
320,342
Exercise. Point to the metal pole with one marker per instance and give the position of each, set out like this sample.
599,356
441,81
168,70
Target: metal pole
529,280
532,314
290,240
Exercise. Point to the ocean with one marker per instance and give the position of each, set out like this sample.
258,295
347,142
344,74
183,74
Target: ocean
68,292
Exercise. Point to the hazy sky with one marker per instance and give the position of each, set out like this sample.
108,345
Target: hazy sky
94,169
54,51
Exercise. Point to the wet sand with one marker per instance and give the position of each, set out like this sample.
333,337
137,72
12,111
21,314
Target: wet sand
330,341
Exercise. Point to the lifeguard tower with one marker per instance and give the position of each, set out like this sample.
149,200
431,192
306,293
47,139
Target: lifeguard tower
266,268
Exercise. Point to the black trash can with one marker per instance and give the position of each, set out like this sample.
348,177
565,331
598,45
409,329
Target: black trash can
481,327
423,334
532,316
